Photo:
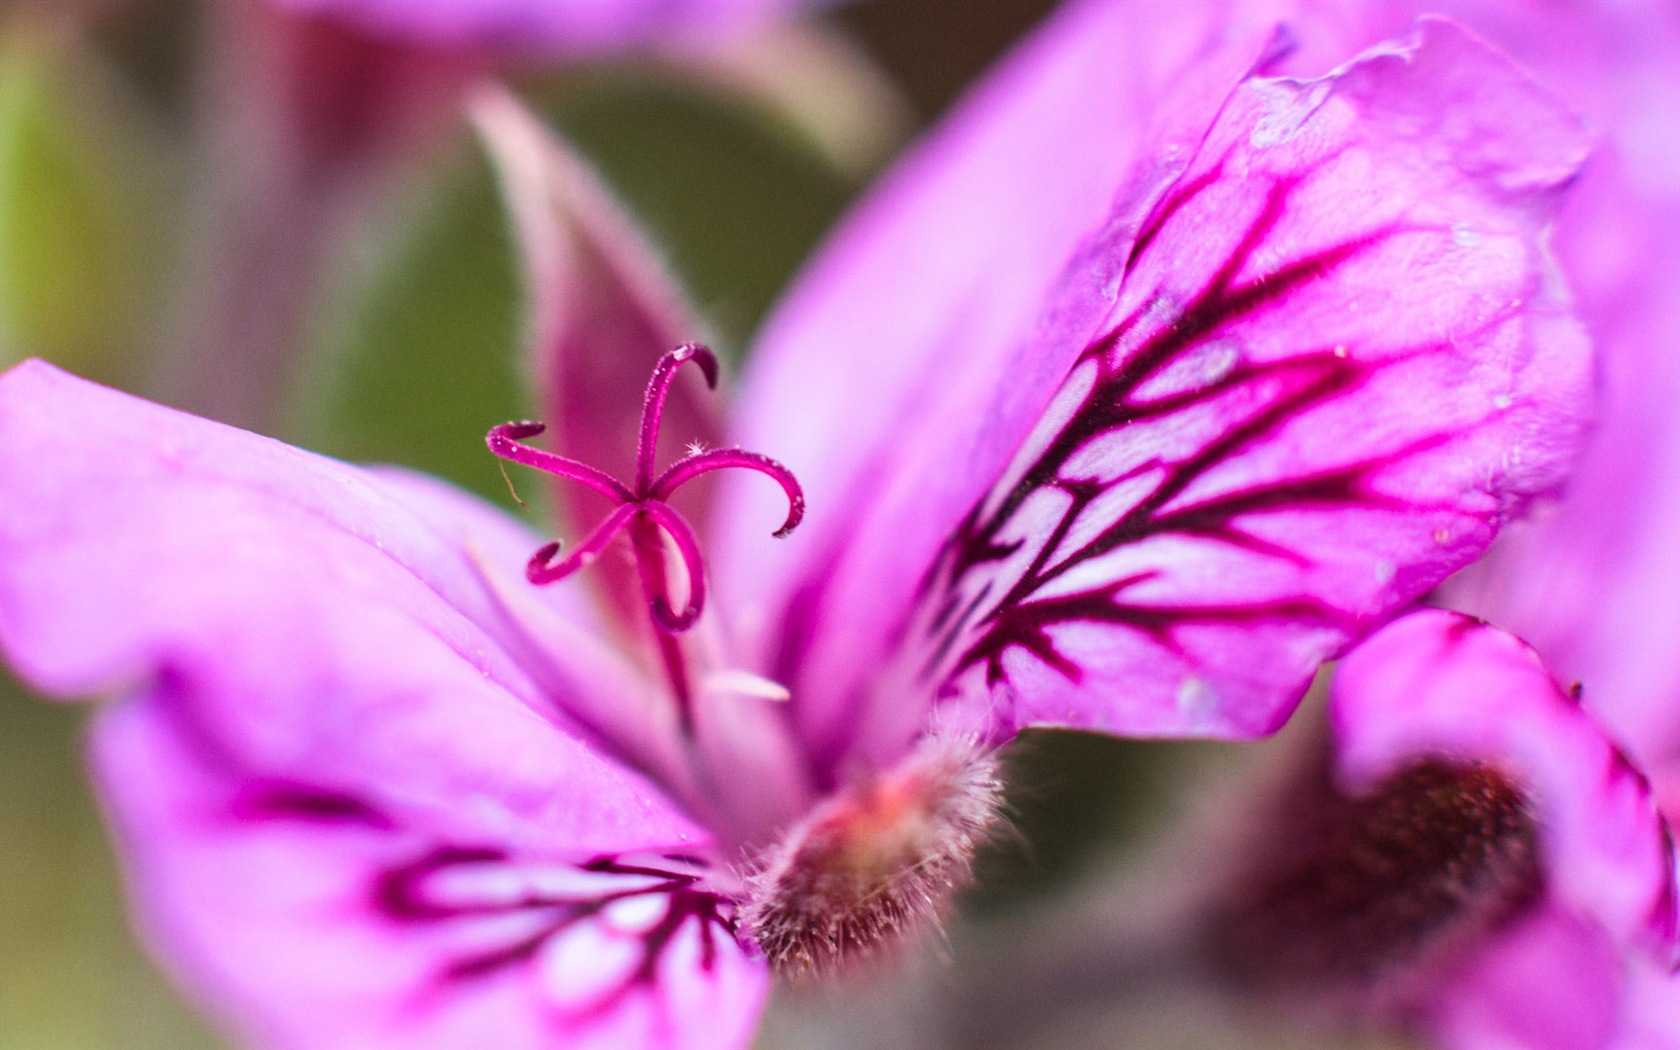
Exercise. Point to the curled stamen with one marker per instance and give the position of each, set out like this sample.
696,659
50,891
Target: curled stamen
653,403
703,462
539,571
642,508
689,547
504,441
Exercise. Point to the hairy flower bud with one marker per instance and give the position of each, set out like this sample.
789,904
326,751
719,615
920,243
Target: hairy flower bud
876,862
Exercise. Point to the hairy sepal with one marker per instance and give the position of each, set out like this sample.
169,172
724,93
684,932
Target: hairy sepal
877,864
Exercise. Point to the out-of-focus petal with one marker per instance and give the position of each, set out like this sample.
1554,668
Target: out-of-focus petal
1556,981
306,917
304,616
1440,684
1650,1008
1306,382
1549,983
825,86
554,27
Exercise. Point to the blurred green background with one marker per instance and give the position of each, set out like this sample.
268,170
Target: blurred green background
406,352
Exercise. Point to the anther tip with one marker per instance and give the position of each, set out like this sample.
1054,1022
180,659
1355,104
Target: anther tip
796,514
701,355
514,431
787,528
671,621
536,570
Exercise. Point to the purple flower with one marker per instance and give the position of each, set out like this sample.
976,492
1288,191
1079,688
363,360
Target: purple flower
1102,422
552,26
1483,863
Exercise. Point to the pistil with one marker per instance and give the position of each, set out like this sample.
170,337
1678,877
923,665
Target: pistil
643,509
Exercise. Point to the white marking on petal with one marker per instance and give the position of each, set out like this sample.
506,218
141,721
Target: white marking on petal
1288,110
682,955
488,883
572,884
636,915
1196,699
499,883
586,963
744,683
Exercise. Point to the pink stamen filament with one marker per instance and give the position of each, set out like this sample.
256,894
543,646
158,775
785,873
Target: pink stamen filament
653,403
689,548
539,570
649,546
643,510
505,442
699,463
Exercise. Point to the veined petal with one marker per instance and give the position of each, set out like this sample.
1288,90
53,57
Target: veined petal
1310,378
306,618
890,346
303,916
1440,684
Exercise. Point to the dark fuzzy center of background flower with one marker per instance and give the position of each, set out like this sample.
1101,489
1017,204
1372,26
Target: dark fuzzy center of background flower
1358,889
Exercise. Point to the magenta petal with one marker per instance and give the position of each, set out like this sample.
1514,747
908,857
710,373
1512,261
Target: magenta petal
308,917
345,820
310,618
1437,683
1558,981
1550,981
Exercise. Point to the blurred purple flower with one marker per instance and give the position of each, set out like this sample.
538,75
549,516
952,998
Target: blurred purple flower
1483,862
1132,461
555,27
317,109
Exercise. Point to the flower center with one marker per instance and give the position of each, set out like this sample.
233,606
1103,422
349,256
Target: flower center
642,510
1383,884
875,862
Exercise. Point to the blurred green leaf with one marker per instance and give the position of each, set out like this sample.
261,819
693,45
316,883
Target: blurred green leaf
81,203
71,974
419,357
